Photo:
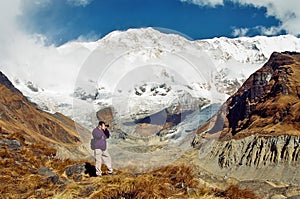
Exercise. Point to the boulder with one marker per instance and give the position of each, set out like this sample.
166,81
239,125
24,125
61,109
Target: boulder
76,169
106,115
13,144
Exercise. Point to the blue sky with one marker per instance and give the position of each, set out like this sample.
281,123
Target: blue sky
63,20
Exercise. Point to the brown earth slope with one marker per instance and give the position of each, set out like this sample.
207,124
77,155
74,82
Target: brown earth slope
21,119
267,104
30,141
17,114
20,116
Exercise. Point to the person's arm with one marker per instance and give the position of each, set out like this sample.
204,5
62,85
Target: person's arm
106,132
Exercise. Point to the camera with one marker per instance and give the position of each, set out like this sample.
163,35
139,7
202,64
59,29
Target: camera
107,125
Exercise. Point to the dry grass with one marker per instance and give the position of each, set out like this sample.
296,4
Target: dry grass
19,178
162,183
167,182
171,181
234,192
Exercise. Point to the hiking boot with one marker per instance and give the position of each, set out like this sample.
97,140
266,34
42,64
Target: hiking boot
112,173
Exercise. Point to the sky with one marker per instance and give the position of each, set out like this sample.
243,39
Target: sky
59,21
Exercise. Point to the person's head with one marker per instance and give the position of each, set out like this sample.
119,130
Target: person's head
102,125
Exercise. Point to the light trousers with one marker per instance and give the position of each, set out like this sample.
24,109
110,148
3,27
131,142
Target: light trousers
99,155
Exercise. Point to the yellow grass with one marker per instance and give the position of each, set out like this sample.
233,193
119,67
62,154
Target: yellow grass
19,179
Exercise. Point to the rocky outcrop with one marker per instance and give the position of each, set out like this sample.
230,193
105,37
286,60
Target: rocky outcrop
274,158
12,144
53,177
267,103
259,152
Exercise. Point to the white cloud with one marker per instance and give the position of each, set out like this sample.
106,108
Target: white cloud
82,3
7,19
26,56
287,12
211,3
240,32
91,36
268,31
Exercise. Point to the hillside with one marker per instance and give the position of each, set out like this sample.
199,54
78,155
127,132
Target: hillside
267,104
255,135
32,144
24,118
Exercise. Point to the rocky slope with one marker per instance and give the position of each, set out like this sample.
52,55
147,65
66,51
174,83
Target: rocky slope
267,104
20,117
255,134
35,147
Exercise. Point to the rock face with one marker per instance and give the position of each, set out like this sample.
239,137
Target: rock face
254,158
268,102
256,133
259,152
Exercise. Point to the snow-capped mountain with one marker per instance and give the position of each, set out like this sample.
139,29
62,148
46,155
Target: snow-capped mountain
127,68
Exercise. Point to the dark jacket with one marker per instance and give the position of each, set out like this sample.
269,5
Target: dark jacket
99,139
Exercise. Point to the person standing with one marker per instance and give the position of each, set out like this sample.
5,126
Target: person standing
98,144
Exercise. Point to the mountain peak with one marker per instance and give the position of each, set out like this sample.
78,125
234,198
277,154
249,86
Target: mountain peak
268,103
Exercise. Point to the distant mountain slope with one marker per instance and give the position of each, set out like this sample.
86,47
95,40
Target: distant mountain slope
255,135
20,117
268,103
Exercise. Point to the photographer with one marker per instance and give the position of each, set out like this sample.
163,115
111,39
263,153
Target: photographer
98,144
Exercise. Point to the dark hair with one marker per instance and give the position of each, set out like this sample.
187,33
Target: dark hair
102,122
